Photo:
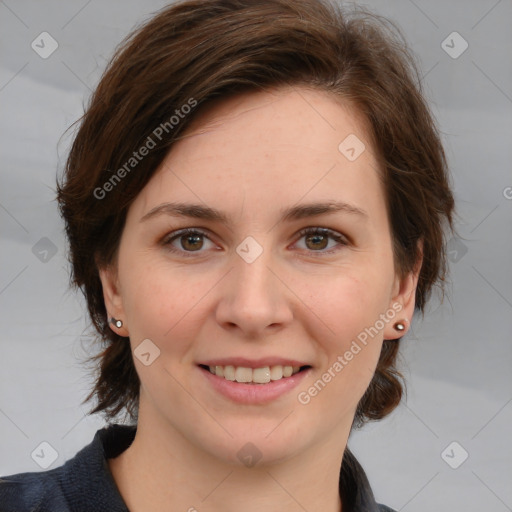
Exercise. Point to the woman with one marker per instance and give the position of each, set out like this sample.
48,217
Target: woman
255,203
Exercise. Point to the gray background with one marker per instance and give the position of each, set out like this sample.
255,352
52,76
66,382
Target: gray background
457,360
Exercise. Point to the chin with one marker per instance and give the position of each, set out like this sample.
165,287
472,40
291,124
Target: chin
256,442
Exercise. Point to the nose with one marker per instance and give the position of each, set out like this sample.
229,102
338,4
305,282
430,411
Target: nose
254,297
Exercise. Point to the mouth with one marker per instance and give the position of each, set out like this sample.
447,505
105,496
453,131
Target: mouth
258,376
254,382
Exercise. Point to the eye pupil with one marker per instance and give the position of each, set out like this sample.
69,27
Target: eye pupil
317,236
192,240
196,238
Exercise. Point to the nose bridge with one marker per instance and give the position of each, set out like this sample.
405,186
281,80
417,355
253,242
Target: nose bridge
253,280
252,264
254,298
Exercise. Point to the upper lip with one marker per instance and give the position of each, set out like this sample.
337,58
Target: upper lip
253,363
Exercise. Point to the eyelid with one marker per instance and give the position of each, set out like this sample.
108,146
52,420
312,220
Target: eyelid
177,233
341,239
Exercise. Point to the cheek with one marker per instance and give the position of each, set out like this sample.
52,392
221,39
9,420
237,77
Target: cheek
161,303
348,304
350,307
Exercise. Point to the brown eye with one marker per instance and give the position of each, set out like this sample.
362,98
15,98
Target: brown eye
186,241
317,240
191,242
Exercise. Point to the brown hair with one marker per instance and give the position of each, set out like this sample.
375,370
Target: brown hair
195,51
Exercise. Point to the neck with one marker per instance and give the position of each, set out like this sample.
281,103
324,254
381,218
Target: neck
162,471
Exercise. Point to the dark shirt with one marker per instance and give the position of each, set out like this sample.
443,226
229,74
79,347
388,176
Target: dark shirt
85,482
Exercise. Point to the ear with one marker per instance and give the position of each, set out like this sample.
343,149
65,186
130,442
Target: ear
404,299
113,300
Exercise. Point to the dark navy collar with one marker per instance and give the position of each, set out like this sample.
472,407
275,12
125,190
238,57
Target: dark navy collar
85,482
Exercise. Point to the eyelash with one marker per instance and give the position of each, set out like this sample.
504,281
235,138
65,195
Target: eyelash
167,241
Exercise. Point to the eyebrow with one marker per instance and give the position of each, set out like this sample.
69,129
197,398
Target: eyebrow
199,211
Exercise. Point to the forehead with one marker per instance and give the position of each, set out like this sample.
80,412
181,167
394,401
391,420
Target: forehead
270,147
305,113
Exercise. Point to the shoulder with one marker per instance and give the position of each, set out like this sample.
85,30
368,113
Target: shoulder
32,492
355,490
84,482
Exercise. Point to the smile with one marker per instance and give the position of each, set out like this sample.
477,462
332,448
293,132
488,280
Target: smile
253,386
262,375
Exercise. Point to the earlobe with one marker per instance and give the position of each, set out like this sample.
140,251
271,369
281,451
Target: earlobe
116,323
404,301
113,300
403,306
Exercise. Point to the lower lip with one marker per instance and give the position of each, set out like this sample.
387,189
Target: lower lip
243,393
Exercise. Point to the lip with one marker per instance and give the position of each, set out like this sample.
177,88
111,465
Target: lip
253,363
253,394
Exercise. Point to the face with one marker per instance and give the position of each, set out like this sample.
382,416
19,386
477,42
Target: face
262,280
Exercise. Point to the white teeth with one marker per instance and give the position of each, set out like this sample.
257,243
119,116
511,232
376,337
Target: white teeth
229,372
243,374
257,375
276,372
261,375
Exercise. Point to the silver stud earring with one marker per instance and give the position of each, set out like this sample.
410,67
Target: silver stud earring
117,323
399,326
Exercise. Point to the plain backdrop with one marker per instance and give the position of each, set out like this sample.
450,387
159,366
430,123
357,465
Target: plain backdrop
457,360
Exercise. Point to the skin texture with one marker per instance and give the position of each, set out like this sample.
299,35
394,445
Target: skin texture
251,156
